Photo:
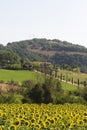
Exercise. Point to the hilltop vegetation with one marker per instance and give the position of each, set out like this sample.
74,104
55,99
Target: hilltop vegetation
54,51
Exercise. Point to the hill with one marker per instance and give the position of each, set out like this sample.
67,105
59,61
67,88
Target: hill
54,51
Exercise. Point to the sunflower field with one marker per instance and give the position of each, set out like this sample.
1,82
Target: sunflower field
43,117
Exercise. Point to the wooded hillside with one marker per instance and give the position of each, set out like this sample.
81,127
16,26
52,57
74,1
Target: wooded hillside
54,51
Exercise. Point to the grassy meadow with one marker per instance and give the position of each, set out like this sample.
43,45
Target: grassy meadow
69,87
19,76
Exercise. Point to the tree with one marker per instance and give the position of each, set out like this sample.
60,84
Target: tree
78,82
72,80
61,76
22,62
85,84
7,58
47,94
36,94
58,86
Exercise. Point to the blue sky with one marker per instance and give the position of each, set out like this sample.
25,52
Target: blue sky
52,19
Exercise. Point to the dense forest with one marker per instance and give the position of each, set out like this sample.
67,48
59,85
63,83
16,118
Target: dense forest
54,51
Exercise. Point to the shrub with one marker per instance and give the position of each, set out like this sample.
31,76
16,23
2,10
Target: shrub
13,83
15,67
61,99
11,98
26,86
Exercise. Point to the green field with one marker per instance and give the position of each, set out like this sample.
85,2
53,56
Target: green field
19,76
69,87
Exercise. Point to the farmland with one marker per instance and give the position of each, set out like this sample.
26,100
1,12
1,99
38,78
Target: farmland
68,87
43,117
19,76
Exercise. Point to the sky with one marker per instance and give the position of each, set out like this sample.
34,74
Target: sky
65,20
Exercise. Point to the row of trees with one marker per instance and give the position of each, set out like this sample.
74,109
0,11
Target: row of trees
72,80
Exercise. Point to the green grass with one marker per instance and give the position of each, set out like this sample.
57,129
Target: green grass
19,76
69,87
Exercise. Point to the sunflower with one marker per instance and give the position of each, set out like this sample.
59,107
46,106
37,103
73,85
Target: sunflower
38,126
22,122
0,128
85,120
17,122
12,127
27,123
43,125
33,120
80,123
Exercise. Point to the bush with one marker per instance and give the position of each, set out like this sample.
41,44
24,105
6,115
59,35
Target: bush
70,99
10,98
15,67
84,94
1,81
26,86
13,83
